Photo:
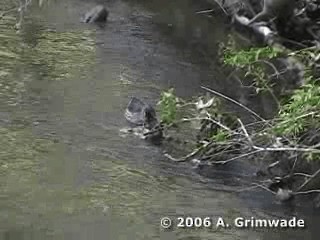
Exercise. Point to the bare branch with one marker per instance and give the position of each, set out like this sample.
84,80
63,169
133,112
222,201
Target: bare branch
288,149
238,157
209,119
264,187
187,157
302,175
205,11
233,101
307,192
276,72
245,132
309,180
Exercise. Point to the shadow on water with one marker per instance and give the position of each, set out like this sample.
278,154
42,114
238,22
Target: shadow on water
66,172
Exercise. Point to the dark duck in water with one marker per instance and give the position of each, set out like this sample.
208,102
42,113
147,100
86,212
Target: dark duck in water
139,113
98,14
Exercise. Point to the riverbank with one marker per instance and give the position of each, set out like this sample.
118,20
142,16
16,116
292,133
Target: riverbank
285,144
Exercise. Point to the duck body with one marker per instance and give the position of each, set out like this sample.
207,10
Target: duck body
98,14
140,113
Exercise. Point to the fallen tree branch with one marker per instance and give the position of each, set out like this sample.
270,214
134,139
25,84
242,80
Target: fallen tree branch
183,120
234,101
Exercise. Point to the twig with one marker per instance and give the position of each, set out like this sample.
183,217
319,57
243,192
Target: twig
263,187
233,101
205,11
297,174
276,72
294,42
307,192
238,157
222,8
302,174
211,120
185,158
224,151
254,123
265,84
294,165
246,189
279,73
189,120
272,165
245,132
289,149
256,185
309,180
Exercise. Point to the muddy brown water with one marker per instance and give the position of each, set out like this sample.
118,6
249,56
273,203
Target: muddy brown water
88,181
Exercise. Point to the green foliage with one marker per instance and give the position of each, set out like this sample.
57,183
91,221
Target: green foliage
204,114
244,58
295,116
310,58
251,63
301,112
221,135
299,116
168,106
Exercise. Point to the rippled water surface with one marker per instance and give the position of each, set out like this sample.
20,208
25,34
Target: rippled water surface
65,170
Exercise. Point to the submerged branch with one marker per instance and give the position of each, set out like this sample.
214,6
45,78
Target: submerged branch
236,158
187,157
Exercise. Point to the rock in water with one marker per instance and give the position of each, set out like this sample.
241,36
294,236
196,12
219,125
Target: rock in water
98,14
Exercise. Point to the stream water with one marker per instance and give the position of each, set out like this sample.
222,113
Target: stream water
66,172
